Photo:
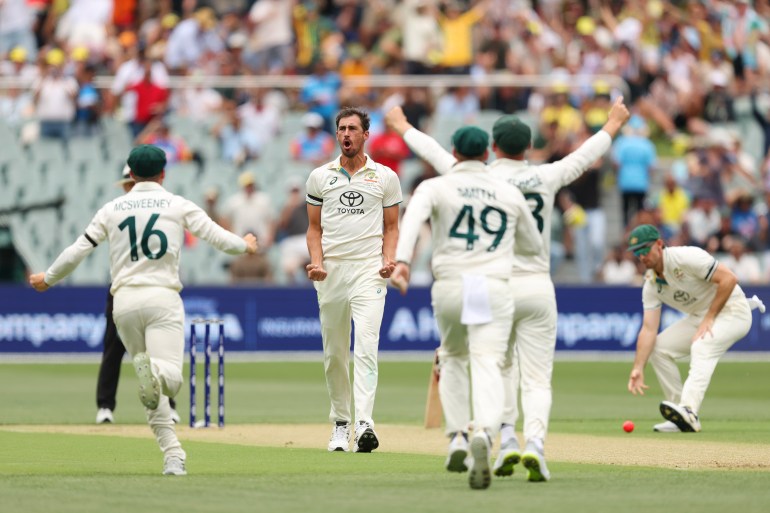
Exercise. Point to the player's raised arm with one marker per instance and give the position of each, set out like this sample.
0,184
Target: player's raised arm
423,145
577,162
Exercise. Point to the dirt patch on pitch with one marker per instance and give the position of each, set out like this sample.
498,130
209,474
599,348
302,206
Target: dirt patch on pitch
669,450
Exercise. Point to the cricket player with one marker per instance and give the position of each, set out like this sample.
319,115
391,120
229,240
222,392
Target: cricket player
352,206
145,231
476,220
718,315
533,335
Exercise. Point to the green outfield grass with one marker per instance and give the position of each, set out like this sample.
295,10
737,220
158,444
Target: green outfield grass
43,472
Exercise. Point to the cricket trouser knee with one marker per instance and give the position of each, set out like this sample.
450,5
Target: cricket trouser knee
667,372
454,390
672,344
510,374
170,376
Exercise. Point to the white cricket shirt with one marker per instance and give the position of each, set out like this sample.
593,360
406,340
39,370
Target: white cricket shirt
145,230
687,287
477,222
351,207
539,184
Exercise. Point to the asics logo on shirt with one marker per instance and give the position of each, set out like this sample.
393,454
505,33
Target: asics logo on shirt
351,198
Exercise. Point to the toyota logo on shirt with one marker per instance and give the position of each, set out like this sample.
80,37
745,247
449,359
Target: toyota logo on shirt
351,200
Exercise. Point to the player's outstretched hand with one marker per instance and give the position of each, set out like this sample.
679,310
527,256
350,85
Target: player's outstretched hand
400,278
619,111
636,382
38,282
315,272
396,120
251,243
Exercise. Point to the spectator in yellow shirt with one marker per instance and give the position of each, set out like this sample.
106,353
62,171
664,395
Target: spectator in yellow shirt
457,30
560,111
673,204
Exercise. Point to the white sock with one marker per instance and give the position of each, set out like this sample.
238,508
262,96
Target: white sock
507,433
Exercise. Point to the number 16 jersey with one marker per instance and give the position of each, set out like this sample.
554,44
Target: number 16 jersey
145,229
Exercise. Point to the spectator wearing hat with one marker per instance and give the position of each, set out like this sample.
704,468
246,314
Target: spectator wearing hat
19,66
472,299
250,211
716,316
54,98
147,309
192,38
313,145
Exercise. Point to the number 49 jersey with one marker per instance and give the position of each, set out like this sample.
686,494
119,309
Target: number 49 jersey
477,222
145,229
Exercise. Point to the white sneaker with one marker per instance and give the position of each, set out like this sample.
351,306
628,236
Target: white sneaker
509,456
683,416
340,439
456,460
666,427
175,418
149,386
174,466
534,461
366,438
104,416
480,476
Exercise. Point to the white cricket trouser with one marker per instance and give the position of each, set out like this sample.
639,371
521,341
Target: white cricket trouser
529,358
483,345
353,289
731,325
151,320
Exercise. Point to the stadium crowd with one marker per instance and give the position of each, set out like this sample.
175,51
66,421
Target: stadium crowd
697,76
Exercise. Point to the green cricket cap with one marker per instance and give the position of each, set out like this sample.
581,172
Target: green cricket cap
511,135
146,160
470,141
642,237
